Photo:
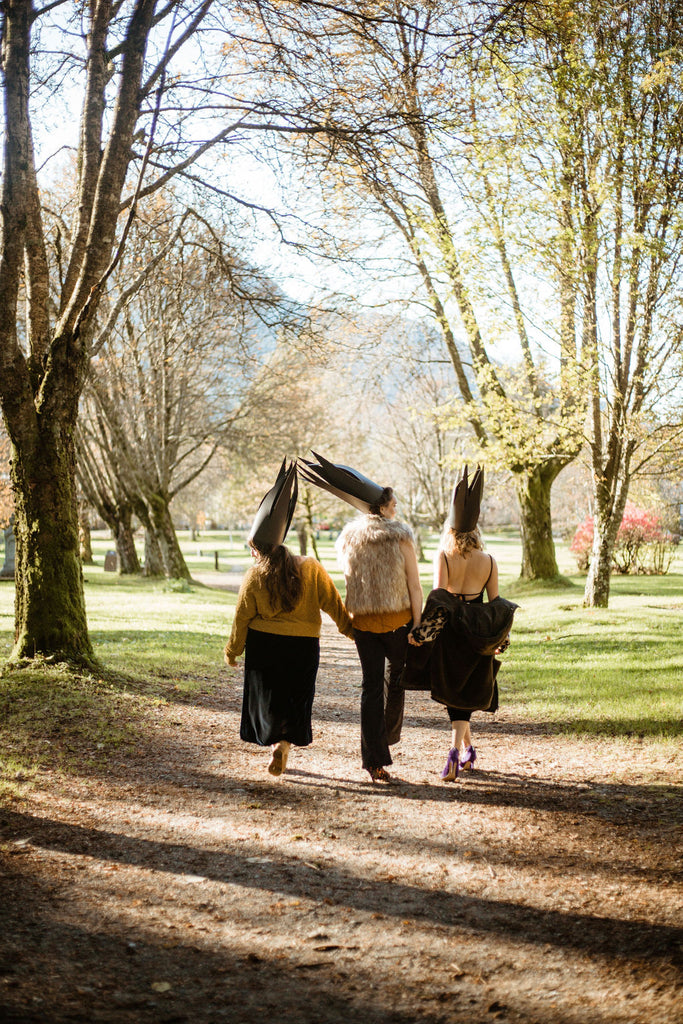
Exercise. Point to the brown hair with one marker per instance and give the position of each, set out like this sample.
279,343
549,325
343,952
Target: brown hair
384,499
277,568
454,543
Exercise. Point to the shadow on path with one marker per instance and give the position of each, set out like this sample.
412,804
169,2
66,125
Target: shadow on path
598,935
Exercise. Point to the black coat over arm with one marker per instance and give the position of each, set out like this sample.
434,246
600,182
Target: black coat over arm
459,667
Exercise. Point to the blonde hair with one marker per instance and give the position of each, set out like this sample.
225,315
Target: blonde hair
454,543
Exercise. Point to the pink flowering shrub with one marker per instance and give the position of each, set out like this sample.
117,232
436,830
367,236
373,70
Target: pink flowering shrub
582,544
642,544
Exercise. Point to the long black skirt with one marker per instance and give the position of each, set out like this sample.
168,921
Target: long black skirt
279,686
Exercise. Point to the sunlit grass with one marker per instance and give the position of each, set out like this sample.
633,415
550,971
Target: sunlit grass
52,718
615,672
144,629
154,644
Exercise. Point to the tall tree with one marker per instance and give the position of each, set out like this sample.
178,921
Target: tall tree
613,77
534,185
41,379
174,370
411,120
149,102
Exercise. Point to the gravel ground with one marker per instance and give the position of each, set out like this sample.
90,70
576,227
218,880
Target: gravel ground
185,884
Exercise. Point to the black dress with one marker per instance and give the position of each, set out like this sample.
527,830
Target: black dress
279,687
459,666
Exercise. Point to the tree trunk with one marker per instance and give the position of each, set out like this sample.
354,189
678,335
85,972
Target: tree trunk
118,515
84,538
129,563
164,530
154,563
302,535
607,521
538,548
50,617
596,593
43,365
419,548
308,518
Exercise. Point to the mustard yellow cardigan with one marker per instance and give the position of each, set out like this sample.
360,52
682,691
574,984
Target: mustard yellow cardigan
255,611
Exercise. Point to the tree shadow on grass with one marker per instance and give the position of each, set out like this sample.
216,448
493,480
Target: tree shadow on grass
670,585
484,724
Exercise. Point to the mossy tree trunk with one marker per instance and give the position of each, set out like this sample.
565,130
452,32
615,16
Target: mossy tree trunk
164,530
119,520
129,563
50,615
45,340
538,547
116,511
43,364
154,562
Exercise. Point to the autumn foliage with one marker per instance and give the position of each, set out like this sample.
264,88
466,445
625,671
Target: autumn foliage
643,545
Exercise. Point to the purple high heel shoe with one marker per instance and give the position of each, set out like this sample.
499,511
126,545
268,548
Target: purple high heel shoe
469,758
450,772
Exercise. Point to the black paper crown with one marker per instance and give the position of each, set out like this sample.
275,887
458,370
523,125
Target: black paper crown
275,512
466,502
343,481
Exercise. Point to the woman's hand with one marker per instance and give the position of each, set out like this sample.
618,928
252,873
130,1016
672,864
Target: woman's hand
503,646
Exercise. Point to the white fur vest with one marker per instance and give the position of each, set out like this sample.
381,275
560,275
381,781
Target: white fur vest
369,551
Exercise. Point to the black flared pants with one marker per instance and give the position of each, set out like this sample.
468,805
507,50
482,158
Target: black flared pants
382,657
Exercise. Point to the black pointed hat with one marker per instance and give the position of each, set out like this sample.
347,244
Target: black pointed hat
275,512
466,502
348,484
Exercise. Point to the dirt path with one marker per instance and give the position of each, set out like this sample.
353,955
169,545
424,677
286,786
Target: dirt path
188,885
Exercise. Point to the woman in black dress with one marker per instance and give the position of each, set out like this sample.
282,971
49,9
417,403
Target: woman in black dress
277,624
453,651
463,569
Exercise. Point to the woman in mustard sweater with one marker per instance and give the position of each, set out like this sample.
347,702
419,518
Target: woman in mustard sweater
277,624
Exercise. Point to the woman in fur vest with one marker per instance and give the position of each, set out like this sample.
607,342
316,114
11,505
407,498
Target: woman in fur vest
383,598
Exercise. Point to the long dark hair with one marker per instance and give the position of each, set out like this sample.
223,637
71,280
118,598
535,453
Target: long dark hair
384,499
279,571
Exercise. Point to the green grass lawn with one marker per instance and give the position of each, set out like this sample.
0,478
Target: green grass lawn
615,672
